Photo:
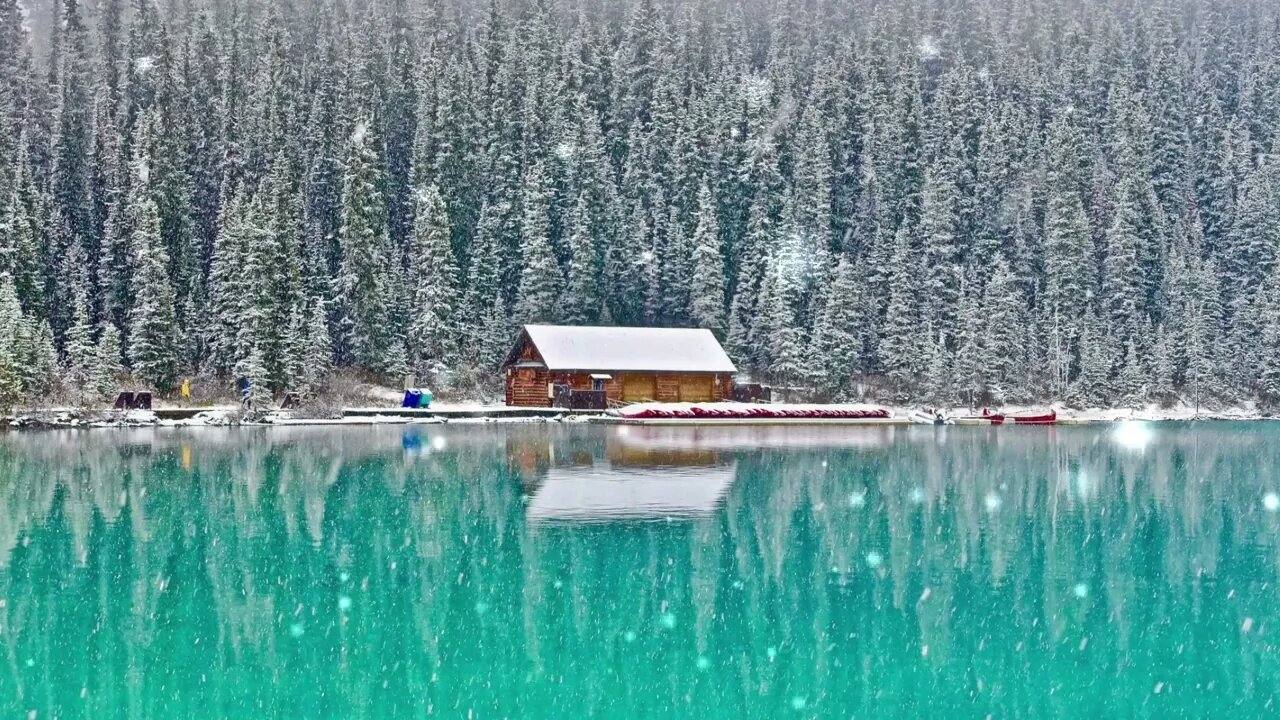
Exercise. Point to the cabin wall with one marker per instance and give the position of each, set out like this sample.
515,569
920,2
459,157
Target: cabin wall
527,387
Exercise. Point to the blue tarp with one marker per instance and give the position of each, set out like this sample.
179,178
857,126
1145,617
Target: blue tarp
412,399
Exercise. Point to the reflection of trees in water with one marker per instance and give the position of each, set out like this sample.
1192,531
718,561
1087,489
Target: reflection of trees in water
946,564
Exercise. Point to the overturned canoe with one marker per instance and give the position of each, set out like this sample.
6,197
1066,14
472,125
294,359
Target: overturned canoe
748,411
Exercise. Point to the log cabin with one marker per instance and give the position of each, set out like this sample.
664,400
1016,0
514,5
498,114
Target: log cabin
629,364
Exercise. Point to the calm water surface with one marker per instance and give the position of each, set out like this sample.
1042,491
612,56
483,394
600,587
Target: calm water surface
551,572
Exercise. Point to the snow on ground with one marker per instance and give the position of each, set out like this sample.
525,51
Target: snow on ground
229,415
1152,412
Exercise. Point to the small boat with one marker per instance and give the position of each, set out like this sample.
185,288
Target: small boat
988,417
928,417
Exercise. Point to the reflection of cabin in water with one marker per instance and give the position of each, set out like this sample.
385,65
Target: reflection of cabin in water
628,364
571,477
530,455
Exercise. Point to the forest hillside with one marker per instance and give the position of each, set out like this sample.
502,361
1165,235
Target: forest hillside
947,201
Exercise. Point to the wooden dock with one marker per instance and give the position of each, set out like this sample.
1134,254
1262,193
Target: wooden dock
497,412
745,421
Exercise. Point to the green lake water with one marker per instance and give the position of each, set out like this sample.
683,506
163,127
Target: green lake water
544,571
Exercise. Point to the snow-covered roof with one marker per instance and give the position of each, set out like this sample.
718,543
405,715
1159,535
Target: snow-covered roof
633,349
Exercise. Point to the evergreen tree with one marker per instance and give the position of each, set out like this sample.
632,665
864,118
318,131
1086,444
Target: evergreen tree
1004,334
900,340
1068,250
80,349
582,301
970,357
836,339
362,274
12,386
318,357
433,326
110,367
72,175
540,279
153,345
706,305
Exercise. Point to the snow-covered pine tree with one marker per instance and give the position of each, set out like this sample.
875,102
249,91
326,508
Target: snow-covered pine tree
812,195
71,181
153,345
939,384
79,349
541,281
1204,338
900,337
676,271
318,353
706,296
1093,384
110,367
434,274
253,368
1131,382
582,300
1004,334
11,357
1255,233
362,275
836,341
939,285
20,241
1162,385
1068,248
482,302
970,356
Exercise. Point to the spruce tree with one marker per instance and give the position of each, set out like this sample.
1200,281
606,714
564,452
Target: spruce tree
541,281
362,274
1004,334
79,348
900,340
582,300
153,345
836,340
11,357
318,351
433,328
110,367
706,304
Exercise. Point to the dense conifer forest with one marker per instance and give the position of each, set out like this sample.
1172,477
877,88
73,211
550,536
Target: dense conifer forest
950,201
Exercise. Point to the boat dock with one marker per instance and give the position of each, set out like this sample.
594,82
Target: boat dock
495,413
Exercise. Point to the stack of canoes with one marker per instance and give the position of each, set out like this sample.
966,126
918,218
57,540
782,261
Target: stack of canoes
749,411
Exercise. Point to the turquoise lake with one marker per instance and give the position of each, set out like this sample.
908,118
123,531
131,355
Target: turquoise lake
554,571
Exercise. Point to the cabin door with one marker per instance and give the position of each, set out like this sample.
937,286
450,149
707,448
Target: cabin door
696,389
639,388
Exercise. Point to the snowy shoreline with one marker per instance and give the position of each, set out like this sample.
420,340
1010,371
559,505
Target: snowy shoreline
475,413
